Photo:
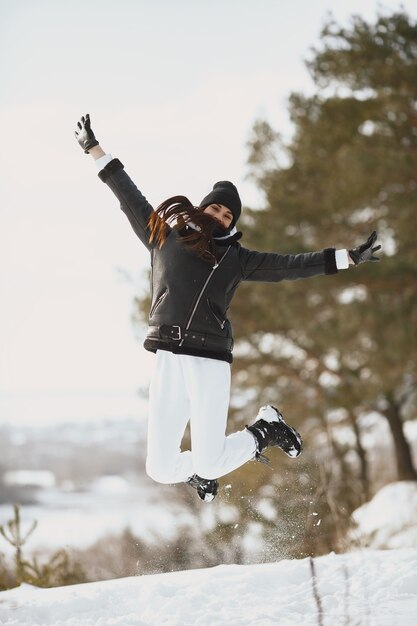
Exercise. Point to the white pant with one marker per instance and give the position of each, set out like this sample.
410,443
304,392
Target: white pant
197,389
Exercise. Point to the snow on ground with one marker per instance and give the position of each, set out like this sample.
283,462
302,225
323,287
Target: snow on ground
376,588
389,520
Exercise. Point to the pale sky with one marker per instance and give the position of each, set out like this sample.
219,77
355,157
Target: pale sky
173,89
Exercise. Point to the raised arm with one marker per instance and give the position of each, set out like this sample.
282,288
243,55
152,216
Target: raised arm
132,202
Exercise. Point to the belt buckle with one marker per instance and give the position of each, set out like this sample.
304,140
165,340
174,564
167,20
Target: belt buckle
178,329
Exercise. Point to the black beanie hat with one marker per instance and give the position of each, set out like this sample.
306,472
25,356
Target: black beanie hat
224,192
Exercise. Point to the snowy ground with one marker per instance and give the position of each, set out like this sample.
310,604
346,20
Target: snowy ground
373,588
389,520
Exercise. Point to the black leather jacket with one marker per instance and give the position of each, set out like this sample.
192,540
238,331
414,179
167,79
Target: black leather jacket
190,297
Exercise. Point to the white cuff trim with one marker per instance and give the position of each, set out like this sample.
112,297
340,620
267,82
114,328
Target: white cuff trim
342,259
102,161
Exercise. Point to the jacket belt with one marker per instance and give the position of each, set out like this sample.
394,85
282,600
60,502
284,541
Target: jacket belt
191,338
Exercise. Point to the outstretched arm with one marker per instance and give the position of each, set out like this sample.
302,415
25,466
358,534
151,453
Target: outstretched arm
132,202
272,267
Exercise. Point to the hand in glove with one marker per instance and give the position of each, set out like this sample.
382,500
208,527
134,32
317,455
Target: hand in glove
365,252
85,135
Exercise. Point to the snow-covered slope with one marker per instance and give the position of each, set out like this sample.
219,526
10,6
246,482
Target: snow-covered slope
389,520
374,588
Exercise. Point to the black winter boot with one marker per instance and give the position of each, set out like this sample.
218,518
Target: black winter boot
206,489
270,429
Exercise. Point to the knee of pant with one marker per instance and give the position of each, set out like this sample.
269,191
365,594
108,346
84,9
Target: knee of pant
209,471
209,464
157,473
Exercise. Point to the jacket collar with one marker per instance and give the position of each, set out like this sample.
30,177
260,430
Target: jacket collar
226,240
233,236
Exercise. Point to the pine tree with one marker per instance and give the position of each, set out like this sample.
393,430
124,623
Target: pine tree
56,571
341,346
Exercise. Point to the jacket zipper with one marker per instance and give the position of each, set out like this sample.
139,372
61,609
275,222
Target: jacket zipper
200,295
158,302
220,322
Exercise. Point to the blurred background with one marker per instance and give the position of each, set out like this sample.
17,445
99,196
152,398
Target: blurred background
311,109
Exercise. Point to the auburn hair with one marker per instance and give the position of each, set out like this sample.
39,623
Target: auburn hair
180,211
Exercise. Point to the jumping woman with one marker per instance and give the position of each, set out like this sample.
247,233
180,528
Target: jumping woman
197,265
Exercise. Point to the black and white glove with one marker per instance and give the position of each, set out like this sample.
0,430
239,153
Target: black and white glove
85,135
365,252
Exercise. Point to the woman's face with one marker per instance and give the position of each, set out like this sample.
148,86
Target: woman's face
221,213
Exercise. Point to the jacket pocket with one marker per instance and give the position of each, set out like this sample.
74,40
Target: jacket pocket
157,302
221,322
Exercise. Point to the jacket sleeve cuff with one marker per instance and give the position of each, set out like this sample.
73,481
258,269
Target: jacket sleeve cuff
112,167
330,266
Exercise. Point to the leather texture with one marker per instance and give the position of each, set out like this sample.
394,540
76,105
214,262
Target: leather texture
193,294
